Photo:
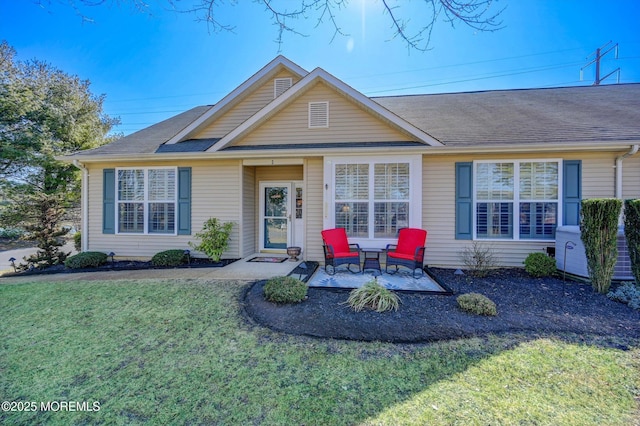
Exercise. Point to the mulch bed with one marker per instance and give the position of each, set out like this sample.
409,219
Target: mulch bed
536,306
123,265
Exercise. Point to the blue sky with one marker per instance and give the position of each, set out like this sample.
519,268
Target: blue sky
154,65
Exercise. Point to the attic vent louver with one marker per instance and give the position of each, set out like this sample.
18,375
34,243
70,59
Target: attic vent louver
280,85
318,115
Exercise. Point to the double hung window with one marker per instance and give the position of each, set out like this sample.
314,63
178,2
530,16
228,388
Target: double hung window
146,201
372,199
516,199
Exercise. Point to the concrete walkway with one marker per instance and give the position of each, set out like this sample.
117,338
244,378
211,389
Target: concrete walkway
20,254
242,270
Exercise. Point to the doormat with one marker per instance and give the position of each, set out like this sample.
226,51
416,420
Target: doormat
268,259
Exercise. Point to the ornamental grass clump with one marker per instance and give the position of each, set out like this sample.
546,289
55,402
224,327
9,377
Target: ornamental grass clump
540,265
373,296
285,290
599,234
478,304
632,235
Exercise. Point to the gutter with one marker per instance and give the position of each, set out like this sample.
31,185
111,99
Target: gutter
279,153
85,204
632,151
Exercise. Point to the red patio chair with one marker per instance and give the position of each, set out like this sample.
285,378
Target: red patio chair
338,251
409,252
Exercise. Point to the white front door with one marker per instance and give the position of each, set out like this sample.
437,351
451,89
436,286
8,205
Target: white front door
280,215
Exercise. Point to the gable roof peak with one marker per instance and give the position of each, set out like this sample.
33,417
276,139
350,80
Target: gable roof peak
269,69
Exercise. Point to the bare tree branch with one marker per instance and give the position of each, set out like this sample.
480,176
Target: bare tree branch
476,14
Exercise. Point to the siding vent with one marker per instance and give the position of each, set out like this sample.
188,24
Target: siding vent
280,85
318,115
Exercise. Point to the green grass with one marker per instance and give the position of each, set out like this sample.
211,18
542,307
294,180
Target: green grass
179,352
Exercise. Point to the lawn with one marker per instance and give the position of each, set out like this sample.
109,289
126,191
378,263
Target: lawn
180,352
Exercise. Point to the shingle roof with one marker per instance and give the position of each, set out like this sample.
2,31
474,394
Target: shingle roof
555,115
190,145
580,114
147,141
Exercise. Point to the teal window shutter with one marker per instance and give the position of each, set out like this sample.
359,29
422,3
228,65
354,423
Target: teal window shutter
464,201
571,191
109,201
184,200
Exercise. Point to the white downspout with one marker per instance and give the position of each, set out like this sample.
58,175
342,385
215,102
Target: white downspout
619,159
85,204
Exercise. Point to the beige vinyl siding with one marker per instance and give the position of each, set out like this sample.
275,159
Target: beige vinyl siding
247,107
249,212
314,207
215,192
347,123
280,173
438,214
631,177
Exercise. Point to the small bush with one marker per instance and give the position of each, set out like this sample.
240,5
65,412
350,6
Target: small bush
477,304
628,293
77,241
174,257
373,296
479,260
214,238
11,233
285,290
540,265
88,259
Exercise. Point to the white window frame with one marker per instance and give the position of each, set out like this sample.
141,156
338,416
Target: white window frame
311,123
415,193
145,202
516,198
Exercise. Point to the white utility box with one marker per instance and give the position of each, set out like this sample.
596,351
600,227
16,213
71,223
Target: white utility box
576,260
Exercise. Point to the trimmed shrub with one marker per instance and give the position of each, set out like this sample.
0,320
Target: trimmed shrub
77,241
214,238
478,304
285,290
175,257
373,296
540,265
632,235
599,234
88,259
479,260
628,293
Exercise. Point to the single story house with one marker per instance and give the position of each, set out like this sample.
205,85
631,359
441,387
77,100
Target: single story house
291,152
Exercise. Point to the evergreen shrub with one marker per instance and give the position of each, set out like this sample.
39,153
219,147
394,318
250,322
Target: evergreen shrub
628,293
632,235
540,265
174,257
88,259
478,304
599,234
285,290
